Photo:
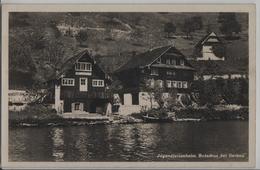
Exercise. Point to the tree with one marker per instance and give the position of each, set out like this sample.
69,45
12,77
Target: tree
208,92
197,22
171,99
53,54
82,36
20,54
53,24
169,28
136,35
244,92
229,91
208,28
229,24
188,27
211,95
191,25
35,39
154,91
158,95
22,67
109,33
219,50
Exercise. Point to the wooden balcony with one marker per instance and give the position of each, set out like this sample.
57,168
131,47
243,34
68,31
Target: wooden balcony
89,94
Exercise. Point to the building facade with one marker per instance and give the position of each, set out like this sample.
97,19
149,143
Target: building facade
204,49
164,67
81,86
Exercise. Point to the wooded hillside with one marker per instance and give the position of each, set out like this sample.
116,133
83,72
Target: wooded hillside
38,47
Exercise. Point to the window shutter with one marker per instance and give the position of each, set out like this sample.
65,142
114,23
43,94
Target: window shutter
81,106
168,83
72,106
160,83
175,84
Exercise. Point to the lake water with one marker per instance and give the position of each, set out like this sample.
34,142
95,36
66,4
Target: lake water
177,141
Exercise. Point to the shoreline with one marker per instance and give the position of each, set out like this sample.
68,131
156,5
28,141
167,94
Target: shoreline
68,124
41,117
72,122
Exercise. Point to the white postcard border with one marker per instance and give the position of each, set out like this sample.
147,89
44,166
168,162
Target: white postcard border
250,8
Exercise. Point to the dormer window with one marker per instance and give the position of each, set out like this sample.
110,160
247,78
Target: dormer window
83,66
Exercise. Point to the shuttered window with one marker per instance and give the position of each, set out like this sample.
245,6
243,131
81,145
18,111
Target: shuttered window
83,66
177,84
97,83
67,82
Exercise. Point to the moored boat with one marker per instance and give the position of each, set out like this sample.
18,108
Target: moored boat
148,118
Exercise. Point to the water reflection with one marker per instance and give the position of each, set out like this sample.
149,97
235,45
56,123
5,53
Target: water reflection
58,143
126,142
82,144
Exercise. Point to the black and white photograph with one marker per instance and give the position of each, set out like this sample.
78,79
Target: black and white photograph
162,86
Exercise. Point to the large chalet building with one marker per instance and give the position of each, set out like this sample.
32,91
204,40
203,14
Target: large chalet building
165,66
81,86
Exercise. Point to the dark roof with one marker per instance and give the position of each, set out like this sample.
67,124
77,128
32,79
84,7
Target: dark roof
205,38
68,64
146,58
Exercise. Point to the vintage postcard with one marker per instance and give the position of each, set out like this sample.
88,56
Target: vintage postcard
128,86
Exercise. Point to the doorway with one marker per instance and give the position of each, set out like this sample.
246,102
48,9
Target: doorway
83,84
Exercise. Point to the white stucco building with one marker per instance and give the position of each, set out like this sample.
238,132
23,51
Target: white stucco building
204,48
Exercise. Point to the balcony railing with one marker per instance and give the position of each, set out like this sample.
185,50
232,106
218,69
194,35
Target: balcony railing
88,94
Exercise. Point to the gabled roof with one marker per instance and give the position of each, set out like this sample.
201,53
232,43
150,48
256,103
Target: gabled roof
144,59
206,38
148,57
67,65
